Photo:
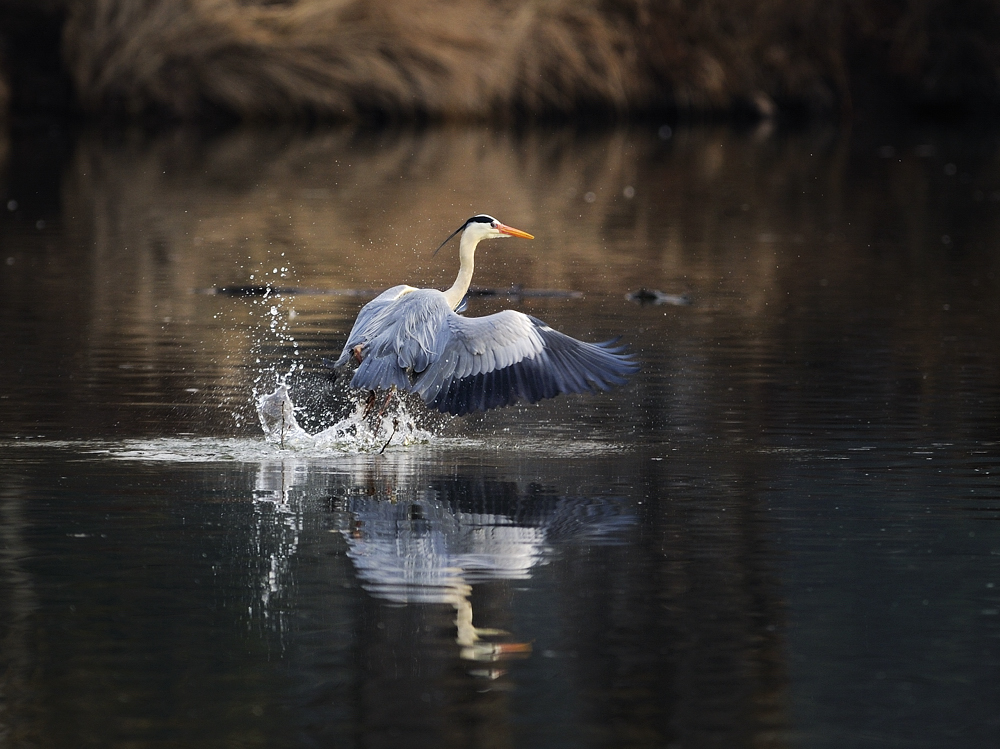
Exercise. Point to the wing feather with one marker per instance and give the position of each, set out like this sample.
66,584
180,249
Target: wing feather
372,319
410,338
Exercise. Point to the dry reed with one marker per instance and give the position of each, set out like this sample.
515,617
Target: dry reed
510,60
445,60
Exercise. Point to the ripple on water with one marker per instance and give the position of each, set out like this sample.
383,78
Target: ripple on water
394,431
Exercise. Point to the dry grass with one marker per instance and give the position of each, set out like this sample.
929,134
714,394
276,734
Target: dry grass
473,59
506,60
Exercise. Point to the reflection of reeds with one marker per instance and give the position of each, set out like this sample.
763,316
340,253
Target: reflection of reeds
748,227
354,211
708,209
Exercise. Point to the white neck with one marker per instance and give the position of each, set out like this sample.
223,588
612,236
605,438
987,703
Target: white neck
467,258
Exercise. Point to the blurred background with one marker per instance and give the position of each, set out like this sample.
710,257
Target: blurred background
156,62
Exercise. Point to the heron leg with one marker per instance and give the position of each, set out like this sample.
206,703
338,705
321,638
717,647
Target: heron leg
369,404
370,413
395,426
356,353
387,401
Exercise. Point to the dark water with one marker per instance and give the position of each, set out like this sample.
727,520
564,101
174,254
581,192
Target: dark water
784,532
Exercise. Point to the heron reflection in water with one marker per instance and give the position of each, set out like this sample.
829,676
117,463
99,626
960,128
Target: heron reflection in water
415,340
426,540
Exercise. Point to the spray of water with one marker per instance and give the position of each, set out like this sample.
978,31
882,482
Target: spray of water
373,426
375,423
272,309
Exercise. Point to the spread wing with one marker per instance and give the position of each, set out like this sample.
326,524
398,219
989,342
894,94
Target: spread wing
458,365
488,362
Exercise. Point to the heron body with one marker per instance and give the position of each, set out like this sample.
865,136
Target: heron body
414,340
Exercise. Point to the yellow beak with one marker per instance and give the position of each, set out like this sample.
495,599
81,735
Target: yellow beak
503,228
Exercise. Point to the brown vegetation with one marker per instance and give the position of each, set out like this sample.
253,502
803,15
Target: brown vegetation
400,59
518,59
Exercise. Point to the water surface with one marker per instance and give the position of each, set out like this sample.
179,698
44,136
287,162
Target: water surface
783,532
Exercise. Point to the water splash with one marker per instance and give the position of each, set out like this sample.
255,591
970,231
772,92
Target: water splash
368,428
277,318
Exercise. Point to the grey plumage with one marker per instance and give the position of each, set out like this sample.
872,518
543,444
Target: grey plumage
412,339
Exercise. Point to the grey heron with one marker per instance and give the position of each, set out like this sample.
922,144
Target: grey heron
415,340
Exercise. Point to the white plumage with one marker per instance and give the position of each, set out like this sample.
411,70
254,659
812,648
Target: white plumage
414,340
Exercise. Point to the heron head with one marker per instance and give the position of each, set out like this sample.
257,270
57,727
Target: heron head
488,227
483,226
